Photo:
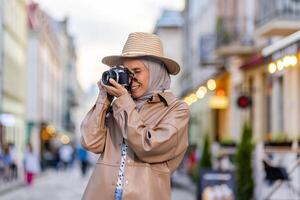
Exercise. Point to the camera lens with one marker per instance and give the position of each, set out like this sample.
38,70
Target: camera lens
105,77
109,74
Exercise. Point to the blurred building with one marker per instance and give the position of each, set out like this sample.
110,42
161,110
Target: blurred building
202,66
13,45
87,100
72,87
170,29
1,66
52,84
247,49
1,56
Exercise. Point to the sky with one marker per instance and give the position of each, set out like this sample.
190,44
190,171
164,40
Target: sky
101,27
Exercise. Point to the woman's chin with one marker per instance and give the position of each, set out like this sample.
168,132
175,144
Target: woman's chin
136,94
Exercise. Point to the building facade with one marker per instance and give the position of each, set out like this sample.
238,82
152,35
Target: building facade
169,28
13,68
52,83
256,48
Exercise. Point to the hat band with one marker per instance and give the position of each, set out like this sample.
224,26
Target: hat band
138,53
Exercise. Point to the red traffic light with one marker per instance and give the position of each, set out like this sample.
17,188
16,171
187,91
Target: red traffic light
244,101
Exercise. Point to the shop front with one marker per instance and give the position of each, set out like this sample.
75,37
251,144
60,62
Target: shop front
283,82
280,149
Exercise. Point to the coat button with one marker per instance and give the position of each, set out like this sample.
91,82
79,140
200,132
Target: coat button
126,181
128,161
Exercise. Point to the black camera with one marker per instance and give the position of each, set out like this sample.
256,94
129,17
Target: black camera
120,74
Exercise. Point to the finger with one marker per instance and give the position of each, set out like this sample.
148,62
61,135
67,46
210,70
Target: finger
114,83
111,90
105,87
109,87
101,84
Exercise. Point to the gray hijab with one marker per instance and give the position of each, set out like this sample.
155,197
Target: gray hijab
159,80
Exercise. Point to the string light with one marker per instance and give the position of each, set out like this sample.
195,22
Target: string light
280,64
272,68
65,139
211,84
201,92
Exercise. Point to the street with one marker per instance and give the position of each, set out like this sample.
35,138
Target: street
66,185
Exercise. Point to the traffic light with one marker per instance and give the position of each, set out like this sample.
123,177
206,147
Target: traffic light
244,101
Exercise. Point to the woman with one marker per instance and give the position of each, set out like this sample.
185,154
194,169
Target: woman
142,140
31,164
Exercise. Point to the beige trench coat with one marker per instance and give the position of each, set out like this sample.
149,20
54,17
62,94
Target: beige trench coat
157,139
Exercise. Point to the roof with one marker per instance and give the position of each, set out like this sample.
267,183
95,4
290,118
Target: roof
170,18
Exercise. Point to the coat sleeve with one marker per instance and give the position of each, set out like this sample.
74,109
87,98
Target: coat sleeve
160,143
93,129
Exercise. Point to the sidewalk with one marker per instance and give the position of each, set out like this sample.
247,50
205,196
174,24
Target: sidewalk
182,187
69,185
6,187
52,184
11,185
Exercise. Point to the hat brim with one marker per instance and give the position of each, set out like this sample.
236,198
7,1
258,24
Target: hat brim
171,65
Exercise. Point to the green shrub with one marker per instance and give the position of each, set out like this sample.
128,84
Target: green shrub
244,178
205,161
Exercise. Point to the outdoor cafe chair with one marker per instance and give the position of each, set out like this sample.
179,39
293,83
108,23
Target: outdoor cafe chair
276,175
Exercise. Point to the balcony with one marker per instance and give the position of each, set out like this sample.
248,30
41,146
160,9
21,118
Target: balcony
277,17
206,50
232,38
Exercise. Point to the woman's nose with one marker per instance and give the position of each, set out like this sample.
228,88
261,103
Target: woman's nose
134,79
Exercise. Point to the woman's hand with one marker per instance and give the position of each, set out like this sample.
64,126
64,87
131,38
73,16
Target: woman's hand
102,91
115,90
102,96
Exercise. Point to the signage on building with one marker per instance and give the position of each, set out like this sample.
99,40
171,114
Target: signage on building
216,184
218,102
244,101
7,119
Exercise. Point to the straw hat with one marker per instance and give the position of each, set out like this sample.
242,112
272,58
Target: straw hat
141,44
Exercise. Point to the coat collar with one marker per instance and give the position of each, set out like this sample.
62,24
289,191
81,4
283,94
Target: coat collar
167,97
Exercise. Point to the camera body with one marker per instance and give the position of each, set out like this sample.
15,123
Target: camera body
120,74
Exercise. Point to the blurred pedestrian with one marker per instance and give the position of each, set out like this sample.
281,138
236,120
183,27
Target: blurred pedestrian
83,159
31,164
7,162
65,155
1,163
13,155
142,134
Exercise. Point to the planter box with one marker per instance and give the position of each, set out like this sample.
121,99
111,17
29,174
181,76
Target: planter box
278,144
228,144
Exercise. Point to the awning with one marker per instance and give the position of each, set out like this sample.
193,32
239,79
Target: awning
293,38
252,62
